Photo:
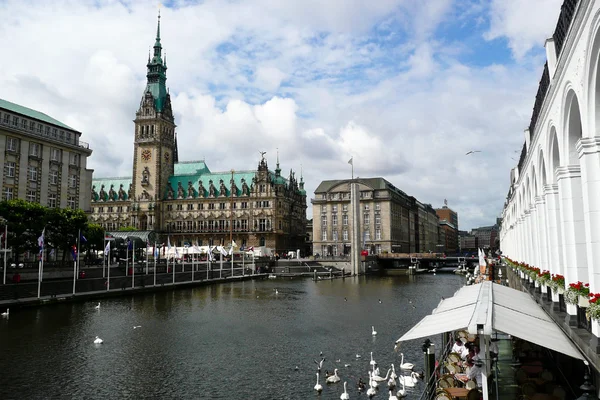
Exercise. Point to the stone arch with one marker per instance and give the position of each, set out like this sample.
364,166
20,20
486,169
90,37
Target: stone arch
553,154
591,77
542,171
571,128
534,183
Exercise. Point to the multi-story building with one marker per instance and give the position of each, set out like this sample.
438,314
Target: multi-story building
188,202
486,236
467,243
449,223
44,160
390,220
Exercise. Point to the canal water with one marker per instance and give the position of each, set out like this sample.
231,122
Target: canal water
231,340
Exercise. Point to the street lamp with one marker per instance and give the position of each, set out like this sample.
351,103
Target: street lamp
4,222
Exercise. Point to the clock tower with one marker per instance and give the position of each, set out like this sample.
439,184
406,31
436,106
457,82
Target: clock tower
155,142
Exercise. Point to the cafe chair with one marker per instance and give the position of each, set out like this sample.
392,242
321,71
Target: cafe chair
441,394
528,389
474,394
471,384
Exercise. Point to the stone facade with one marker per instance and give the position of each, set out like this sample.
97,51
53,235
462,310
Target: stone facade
188,202
390,220
44,160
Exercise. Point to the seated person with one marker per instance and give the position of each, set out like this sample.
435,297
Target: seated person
458,346
475,373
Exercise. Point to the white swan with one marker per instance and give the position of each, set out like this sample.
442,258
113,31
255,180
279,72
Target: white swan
345,395
137,326
372,382
404,365
333,378
373,331
97,307
372,361
407,380
375,371
276,291
371,391
358,356
393,375
378,378
98,340
391,383
392,396
401,392
5,313
318,386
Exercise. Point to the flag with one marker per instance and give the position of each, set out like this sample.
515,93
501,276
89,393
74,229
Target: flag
350,161
107,248
251,248
129,244
74,252
82,239
41,241
210,253
222,250
156,253
169,243
176,252
51,252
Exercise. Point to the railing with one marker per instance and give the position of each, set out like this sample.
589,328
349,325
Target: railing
539,99
73,141
567,10
522,158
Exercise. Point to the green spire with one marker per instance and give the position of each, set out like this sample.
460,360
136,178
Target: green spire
277,170
157,73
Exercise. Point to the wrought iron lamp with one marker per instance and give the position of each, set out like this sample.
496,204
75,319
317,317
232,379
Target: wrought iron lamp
587,386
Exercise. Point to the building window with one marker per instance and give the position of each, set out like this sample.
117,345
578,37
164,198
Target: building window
15,121
72,202
335,235
55,155
53,177
179,225
7,193
211,206
200,206
6,118
179,207
366,207
323,208
11,144
34,149
221,206
120,209
32,173
244,204
54,133
234,206
323,220
377,207
378,248
31,196
324,235
263,188
323,250
262,224
73,180
52,200
190,207
377,234
40,128
74,159
345,207
377,219
344,220
334,220
244,224
334,208
367,235
23,123
366,218
344,235
31,126
9,169
169,207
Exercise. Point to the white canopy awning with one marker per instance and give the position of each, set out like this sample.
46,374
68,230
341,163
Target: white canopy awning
488,306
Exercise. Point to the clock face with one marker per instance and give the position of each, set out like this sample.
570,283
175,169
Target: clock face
167,156
146,155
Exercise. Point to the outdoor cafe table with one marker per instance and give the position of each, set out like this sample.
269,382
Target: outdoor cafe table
458,392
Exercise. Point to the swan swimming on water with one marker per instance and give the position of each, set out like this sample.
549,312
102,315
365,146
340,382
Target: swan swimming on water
318,386
371,391
97,307
345,395
5,313
373,331
393,374
378,378
372,361
333,378
404,365
401,392
98,340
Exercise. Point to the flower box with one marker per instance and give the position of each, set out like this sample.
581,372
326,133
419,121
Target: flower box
583,302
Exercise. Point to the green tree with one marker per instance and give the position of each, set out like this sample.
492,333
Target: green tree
127,229
63,226
25,224
94,233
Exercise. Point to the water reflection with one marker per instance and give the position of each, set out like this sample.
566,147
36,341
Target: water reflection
239,339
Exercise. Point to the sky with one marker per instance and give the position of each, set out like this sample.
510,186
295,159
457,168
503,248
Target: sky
403,87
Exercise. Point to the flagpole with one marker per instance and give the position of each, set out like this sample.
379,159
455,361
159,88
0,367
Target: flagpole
155,250
104,259
78,250
133,266
232,259
173,266
39,278
208,262
147,245
108,267
221,263
193,266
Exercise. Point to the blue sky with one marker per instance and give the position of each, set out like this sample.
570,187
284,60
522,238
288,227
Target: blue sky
404,87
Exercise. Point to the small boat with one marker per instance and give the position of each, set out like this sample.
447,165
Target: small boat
272,276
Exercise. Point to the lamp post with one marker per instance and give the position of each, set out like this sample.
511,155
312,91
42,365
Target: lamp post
4,222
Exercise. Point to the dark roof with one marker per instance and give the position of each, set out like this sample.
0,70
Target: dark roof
145,236
375,183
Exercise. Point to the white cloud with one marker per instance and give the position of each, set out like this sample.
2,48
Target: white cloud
524,23
319,81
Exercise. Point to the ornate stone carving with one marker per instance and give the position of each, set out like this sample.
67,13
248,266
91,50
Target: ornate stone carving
130,191
102,193
222,188
111,193
145,195
170,191
234,188
180,191
94,193
145,176
121,193
190,189
211,189
201,189
245,188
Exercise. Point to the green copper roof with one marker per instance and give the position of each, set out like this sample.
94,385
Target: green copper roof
115,183
157,74
206,176
191,168
28,112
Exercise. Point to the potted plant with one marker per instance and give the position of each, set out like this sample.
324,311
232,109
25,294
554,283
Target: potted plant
593,312
577,294
557,283
543,278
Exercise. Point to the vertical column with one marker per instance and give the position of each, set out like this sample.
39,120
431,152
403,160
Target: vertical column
555,250
520,256
535,237
589,156
528,245
543,232
573,225
355,257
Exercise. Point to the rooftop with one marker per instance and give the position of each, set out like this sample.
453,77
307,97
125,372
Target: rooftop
30,113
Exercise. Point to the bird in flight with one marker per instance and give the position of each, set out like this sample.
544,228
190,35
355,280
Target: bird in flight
473,151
